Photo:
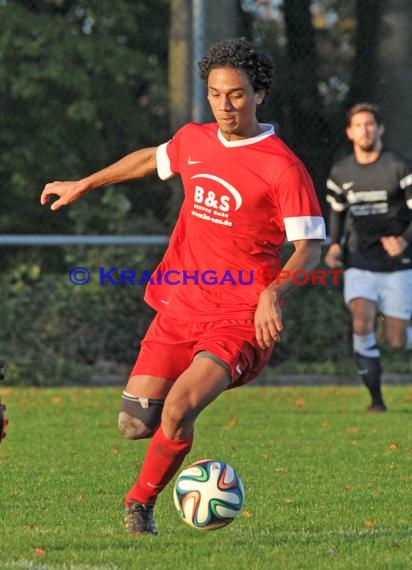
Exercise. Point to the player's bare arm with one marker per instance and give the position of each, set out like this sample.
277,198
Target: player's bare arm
134,165
268,315
394,245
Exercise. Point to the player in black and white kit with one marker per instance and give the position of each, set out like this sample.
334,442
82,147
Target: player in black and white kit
370,193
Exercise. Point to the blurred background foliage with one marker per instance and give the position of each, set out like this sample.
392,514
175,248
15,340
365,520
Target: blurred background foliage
84,82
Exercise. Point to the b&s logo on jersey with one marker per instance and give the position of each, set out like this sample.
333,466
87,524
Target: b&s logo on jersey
214,199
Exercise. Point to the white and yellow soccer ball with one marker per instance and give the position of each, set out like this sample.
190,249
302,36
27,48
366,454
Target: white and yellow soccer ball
209,494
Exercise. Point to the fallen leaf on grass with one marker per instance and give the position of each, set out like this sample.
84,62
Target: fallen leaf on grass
247,514
332,552
393,446
232,423
281,470
300,403
39,551
57,400
352,429
370,524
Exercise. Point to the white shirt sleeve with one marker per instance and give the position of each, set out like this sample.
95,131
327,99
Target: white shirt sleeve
305,227
164,170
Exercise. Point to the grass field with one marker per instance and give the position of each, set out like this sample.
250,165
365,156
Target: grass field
327,486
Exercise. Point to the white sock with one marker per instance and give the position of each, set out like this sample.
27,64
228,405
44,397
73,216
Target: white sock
366,345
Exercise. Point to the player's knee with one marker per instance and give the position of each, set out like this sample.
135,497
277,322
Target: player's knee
139,418
395,343
176,416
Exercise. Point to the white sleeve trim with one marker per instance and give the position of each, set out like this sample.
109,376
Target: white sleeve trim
405,182
305,227
164,170
331,185
336,206
409,203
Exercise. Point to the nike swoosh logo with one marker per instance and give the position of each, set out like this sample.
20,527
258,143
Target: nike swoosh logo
238,369
347,185
190,161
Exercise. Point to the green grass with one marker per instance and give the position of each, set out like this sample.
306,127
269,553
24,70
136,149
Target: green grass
328,487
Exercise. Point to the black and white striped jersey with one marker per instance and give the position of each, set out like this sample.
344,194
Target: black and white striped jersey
375,200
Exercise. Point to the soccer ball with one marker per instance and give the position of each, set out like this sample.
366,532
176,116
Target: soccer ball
208,494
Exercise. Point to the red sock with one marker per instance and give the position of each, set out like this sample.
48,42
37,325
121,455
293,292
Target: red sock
163,458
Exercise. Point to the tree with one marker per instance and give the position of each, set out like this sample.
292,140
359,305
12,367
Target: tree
303,104
81,85
325,54
394,82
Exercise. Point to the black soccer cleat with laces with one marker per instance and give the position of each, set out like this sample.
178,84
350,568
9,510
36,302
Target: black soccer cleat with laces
376,408
139,519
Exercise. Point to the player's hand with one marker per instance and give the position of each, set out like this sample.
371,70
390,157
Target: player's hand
394,245
67,192
268,319
333,257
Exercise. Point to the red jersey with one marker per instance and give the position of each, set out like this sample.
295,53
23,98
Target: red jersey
242,199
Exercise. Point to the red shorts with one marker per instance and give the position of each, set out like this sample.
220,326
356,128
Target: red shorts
170,345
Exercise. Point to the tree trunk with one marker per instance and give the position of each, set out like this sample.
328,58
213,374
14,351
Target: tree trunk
305,127
395,74
180,63
365,69
187,94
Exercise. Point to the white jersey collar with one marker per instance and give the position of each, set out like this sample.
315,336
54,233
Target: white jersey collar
268,130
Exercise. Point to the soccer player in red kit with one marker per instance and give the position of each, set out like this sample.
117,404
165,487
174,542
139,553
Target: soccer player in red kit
215,328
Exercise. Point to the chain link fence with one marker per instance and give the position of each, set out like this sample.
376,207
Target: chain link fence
85,83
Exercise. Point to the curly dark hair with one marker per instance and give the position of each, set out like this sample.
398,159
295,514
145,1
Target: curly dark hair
240,54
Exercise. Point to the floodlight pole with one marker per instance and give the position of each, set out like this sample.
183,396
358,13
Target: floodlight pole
198,48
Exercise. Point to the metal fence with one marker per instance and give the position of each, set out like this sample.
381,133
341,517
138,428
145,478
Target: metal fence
59,240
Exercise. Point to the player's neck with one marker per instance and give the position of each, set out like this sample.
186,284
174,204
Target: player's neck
252,131
366,156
